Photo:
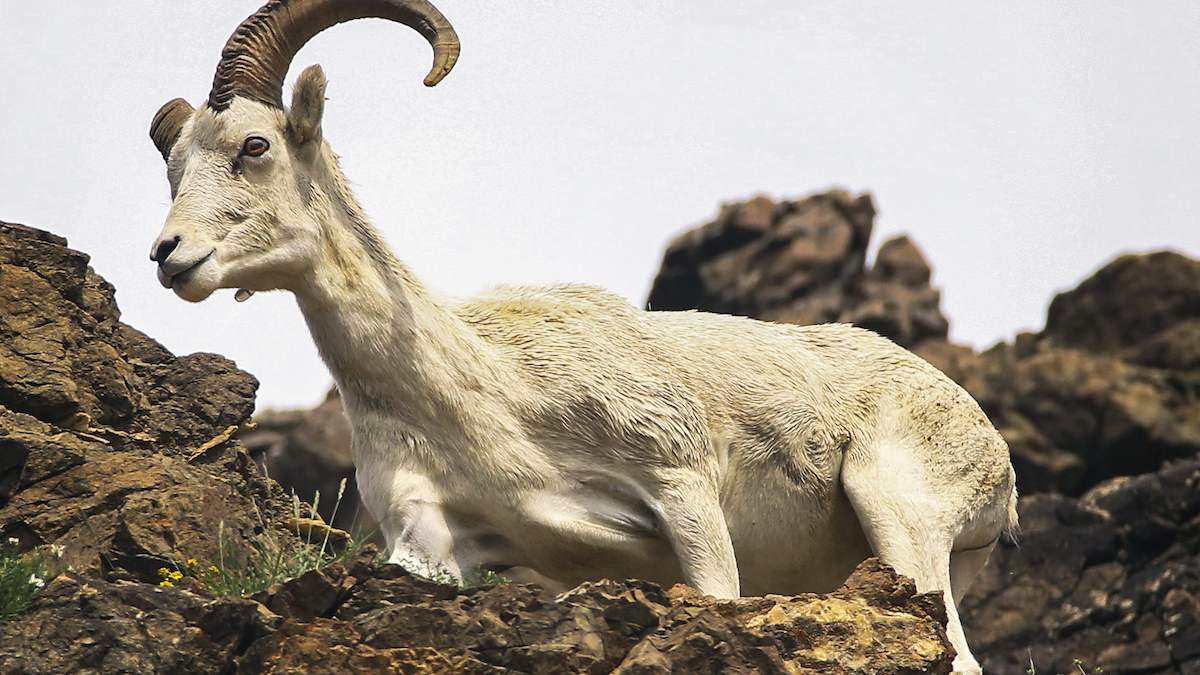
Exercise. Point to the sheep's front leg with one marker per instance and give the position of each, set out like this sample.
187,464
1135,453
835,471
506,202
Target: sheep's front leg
410,516
689,508
420,541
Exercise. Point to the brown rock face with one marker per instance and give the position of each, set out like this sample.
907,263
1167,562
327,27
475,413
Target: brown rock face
100,427
1111,579
367,619
802,262
1128,302
1111,387
81,624
64,353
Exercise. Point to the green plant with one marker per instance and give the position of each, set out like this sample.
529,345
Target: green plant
1032,669
482,577
271,558
22,578
473,579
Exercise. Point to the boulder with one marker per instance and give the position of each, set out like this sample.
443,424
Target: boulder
1111,579
802,262
82,624
1128,302
1110,387
113,451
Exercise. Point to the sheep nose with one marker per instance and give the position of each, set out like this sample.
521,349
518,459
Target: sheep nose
164,249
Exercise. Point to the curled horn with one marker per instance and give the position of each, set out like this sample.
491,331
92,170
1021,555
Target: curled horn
257,56
167,124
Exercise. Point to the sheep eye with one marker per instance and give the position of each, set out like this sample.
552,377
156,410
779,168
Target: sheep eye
255,146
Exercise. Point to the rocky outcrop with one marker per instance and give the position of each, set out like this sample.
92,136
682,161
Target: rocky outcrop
111,447
1111,579
364,618
802,262
1110,387
126,460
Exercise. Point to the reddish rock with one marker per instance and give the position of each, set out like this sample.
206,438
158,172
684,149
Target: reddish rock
802,262
1111,387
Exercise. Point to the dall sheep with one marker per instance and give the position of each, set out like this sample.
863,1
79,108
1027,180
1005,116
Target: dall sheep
559,428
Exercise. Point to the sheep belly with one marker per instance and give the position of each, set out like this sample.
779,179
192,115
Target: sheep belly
584,533
788,540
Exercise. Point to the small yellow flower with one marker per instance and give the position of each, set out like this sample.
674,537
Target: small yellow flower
164,572
212,569
176,575
192,562
166,583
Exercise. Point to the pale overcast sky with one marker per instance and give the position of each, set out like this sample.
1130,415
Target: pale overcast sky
1021,144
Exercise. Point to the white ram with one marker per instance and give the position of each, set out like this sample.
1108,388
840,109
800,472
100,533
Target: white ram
559,428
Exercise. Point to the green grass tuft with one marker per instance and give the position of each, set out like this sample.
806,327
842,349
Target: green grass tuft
22,578
473,579
271,558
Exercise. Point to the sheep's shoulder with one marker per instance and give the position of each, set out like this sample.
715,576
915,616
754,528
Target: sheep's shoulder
514,314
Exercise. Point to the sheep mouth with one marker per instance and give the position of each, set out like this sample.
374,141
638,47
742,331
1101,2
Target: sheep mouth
175,280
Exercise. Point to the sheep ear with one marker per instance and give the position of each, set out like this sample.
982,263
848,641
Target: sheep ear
308,105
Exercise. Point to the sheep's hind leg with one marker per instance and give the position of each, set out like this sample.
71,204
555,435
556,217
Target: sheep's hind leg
909,529
690,511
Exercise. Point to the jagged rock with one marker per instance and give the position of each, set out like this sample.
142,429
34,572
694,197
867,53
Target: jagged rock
117,513
802,262
1111,387
66,359
1111,579
876,623
86,625
111,447
1130,300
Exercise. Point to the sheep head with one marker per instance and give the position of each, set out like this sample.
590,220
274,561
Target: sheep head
251,180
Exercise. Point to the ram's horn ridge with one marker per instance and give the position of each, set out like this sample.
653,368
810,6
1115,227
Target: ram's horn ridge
257,56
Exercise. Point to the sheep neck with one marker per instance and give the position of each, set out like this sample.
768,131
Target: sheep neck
392,346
